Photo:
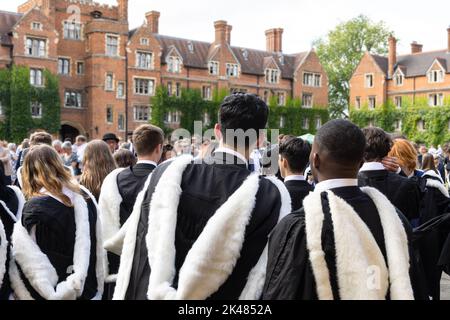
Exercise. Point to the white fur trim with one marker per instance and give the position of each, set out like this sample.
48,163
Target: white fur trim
38,269
432,183
255,282
21,199
3,252
215,252
129,245
432,173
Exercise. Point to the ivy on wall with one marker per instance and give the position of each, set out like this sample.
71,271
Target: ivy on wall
436,120
193,108
16,97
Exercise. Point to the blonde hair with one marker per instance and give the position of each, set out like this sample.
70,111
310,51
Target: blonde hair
406,154
43,168
98,162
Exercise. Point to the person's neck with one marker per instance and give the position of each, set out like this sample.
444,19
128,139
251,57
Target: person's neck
152,157
289,173
243,151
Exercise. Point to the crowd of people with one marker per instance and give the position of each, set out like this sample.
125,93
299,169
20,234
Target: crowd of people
357,214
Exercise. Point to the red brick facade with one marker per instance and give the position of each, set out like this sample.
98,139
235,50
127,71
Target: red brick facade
104,68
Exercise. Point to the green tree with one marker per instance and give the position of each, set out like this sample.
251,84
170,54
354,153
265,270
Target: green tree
340,52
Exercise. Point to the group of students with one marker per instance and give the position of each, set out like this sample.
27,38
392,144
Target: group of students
216,229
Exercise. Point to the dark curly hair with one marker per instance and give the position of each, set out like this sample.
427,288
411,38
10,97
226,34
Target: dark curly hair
378,144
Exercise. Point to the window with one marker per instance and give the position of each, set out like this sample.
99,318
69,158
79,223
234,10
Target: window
206,92
238,90
109,114
358,102
232,70
282,121
178,90
421,125
398,79
72,99
36,26
80,67
109,82
141,113
398,125
36,78
281,98
213,67
372,102
35,47
436,99
312,79
191,47
112,46
169,88
398,102
172,117
144,87
72,30
435,76
305,123
174,64
36,109
272,75
318,123
64,66
121,90
121,122
144,41
144,60
369,80
307,100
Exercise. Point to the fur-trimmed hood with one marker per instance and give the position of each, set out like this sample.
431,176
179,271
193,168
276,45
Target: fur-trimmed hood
434,180
361,268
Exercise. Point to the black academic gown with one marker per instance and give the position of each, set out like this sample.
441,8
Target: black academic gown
402,192
289,273
298,190
55,236
129,182
205,188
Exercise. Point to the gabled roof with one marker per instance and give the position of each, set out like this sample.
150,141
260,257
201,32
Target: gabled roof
419,63
382,62
7,21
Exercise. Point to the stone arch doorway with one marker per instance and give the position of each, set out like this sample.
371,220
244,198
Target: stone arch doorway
70,131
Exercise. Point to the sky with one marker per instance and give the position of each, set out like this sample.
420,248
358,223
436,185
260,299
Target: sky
303,21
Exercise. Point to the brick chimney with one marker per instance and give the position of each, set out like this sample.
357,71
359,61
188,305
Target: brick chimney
221,28
123,10
153,20
448,39
48,8
274,40
416,47
392,59
228,34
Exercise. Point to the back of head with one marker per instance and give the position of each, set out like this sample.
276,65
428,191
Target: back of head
80,139
146,139
405,153
242,111
124,158
67,145
342,141
378,144
43,168
428,162
296,151
39,138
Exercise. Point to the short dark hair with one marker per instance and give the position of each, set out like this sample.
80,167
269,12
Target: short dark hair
296,151
124,158
378,144
243,111
342,140
146,138
39,138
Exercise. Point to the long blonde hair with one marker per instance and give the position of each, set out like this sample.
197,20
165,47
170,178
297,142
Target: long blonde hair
98,162
43,168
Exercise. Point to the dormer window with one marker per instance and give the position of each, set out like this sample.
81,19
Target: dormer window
232,70
435,76
398,78
245,54
191,47
272,75
174,64
369,80
213,67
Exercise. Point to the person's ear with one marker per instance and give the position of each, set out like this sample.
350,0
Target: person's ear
218,132
316,161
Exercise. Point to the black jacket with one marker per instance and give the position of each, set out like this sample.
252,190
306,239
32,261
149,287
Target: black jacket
402,192
205,187
298,190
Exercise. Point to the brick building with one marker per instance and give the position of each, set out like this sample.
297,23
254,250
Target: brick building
415,78
109,73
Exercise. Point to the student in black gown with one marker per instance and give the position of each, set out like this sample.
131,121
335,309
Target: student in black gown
346,243
203,226
57,247
293,160
119,193
402,192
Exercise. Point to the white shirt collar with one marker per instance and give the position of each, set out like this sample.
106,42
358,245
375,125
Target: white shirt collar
295,178
372,166
147,162
232,152
335,183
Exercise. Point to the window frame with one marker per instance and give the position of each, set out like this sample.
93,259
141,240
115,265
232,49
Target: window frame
148,65
149,80
109,114
137,113
37,71
72,33
36,44
109,45
63,66
311,96
366,85
33,105
75,94
213,68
